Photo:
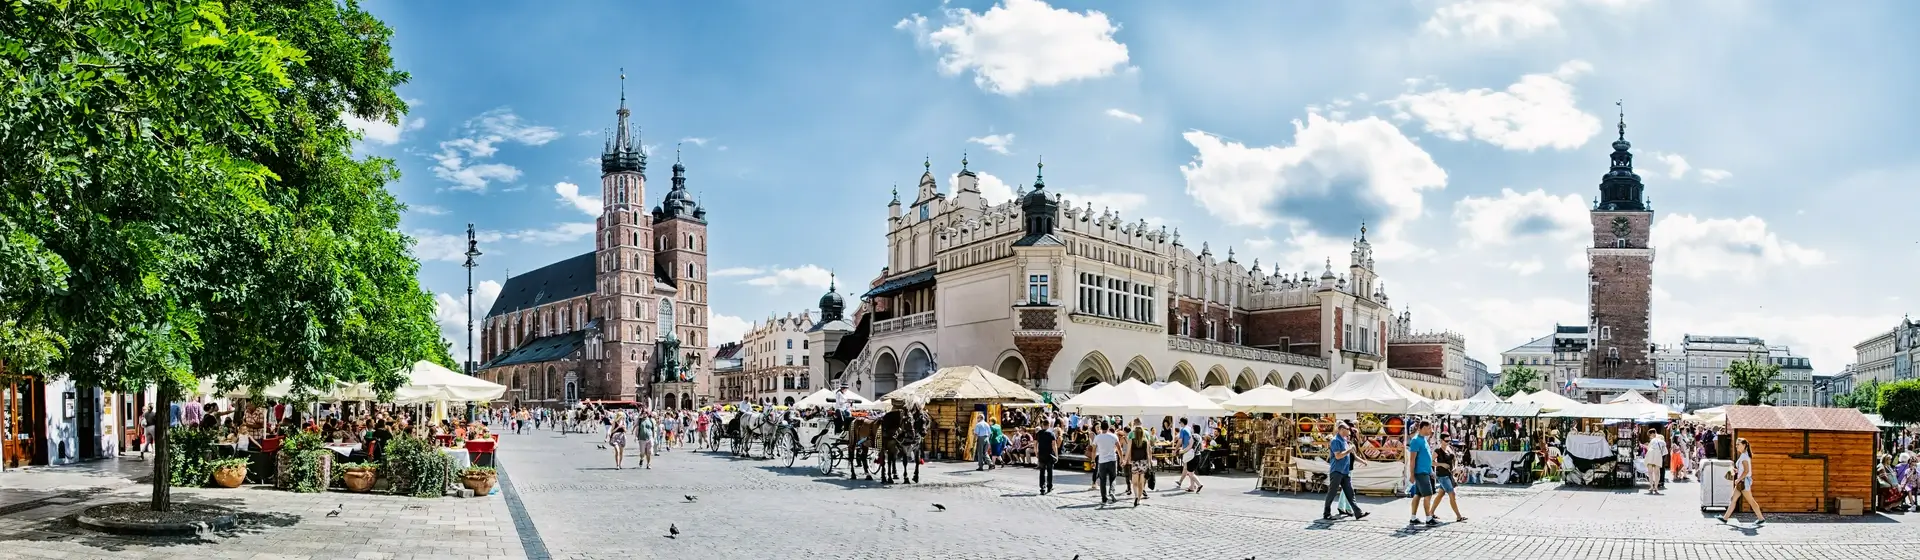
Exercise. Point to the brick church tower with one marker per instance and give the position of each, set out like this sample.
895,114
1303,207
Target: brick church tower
680,251
1620,273
624,277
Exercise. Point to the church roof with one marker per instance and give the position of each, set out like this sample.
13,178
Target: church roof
544,349
566,279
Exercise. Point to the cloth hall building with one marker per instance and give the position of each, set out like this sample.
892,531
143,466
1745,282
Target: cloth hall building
1061,298
625,321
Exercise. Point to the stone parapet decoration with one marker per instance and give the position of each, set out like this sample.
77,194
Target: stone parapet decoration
1414,376
1196,345
915,322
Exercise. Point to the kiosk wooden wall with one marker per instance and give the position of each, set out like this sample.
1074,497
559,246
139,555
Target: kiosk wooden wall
1804,457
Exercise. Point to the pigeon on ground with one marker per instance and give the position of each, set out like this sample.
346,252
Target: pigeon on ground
336,510
939,507
691,498
673,531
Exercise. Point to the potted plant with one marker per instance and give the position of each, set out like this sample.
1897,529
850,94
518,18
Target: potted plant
358,476
229,473
478,479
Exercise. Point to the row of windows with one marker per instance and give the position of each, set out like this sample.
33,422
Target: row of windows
1116,298
1210,328
1360,338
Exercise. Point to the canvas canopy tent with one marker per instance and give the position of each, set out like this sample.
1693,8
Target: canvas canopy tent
1364,391
428,382
963,383
1262,399
1197,405
1547,401
1485,394
1073,404
1131,398
828,399
1218,393
283,390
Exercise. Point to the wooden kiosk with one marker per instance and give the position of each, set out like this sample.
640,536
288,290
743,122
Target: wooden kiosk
1807,459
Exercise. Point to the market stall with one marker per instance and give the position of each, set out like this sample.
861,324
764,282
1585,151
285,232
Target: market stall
953,396
826,398
1500,440
1806,459
1379,405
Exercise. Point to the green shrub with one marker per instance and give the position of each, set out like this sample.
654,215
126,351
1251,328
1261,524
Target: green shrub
192,452
219,464
1900,401
416,467
305,462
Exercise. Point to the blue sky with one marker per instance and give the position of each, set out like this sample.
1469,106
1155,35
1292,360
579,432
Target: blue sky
1775,139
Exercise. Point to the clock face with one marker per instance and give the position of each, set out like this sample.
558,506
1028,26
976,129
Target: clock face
1621,226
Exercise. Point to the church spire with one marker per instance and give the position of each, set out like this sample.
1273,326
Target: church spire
620,155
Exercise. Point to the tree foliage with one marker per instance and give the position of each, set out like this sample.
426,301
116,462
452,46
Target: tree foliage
1900,401
1754,377
180,198
1516,379
1865,397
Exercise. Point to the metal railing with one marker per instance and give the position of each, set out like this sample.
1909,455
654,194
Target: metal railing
914,322
1204,346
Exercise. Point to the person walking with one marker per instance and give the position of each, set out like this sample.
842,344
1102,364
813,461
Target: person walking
1139,460
669,423
1340,462
1420,473
1106,454
617,439
700,423
1446,472
1742,476
644,430
1189,449
1656,462
982,443
1047,447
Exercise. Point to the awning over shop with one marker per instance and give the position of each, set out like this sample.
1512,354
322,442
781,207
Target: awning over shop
1495,408
902,283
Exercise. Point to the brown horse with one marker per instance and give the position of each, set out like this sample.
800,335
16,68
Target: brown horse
862,438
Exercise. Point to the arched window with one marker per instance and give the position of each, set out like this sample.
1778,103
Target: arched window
638,310
666,315
689,271
690,245
623,192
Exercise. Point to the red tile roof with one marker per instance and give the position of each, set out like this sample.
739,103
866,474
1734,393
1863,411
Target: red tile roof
1798,418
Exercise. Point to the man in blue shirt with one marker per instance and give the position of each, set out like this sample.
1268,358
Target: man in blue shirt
1420,473
1340,472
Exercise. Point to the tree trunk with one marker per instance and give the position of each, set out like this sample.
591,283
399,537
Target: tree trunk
162,460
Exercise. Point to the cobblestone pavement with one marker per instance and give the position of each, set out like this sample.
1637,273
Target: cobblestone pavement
37,507
583,508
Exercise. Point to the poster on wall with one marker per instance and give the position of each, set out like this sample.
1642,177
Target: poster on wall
66,404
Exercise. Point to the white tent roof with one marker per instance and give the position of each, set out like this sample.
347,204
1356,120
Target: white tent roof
1073,404
963,382
1218,393
430,382
825,398
1485,394
1547,401
1197,404
1131,398
1265,398
1364,391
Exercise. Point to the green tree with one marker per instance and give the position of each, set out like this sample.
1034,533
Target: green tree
1900,401
1754,376
181,199
1865,397
1516,379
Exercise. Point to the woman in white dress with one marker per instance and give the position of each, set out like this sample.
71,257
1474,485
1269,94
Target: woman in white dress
1742,476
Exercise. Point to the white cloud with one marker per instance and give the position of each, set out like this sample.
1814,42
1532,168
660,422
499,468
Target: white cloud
737,271
452,247
451,313
726,328
558,234
995,142
1539,111
1491,221
382,132
570,194
1022,44
1724,248
427,209
992,188
1260,244
1494,19
802,277
1495,324
1677,166
1527,267
1711,176
456,162
702,142
1335,176
1123,115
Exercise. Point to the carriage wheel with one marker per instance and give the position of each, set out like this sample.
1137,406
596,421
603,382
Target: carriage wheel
783,448
827,455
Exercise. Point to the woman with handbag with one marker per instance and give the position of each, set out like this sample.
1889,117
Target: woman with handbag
1742,477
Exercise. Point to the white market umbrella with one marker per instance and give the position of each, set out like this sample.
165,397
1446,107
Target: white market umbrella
1197,404
430,382
1548,401
1132,398
1364,392
965,383
1218,393
828,399
1265,398
1073,404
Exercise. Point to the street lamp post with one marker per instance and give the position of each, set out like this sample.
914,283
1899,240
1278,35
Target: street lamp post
473,250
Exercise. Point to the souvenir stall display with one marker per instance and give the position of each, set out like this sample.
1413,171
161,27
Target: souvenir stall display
1370,399
953,396
1500,440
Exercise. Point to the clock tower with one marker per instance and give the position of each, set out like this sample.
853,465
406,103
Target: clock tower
1620,273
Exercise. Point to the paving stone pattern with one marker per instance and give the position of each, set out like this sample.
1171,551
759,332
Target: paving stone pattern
277,524
583,508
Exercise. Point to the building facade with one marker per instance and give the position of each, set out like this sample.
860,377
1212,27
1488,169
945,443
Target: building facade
775,360
1620,273
1888,355
1477,377
1061,297
1707,361
1827,386
1671,365
1795,379
727,386
626,321
1559,357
